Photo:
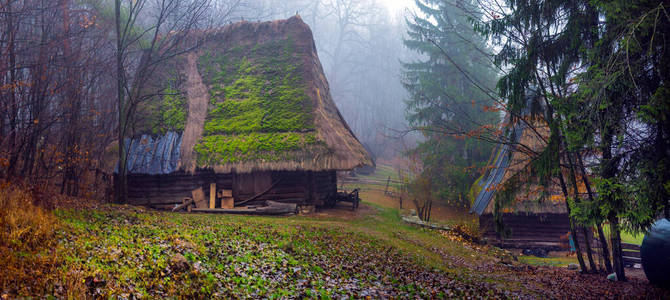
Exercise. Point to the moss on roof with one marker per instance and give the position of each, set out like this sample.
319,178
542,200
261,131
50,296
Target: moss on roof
170,112
259,108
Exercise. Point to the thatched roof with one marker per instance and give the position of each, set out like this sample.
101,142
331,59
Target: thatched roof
251,97
514,158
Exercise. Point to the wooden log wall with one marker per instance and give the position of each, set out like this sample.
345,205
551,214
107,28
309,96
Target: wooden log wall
325,185
164,191
527,230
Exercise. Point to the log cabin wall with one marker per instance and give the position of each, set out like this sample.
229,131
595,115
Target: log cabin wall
164,191
305,188
527,231
325,185
287,187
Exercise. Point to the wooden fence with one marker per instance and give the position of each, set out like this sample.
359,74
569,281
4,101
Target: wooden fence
631,253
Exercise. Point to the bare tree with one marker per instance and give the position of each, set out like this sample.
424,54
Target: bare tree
147,34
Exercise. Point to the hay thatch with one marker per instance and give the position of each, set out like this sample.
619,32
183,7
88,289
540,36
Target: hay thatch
514,160
311,135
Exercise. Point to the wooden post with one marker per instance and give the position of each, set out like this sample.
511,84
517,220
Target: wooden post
386,190
212,195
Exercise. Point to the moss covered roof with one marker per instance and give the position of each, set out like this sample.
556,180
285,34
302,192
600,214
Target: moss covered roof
252,97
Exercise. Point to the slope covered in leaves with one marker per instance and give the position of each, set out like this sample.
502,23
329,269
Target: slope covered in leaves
131,252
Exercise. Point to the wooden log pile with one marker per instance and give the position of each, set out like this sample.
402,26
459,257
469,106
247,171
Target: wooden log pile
198,203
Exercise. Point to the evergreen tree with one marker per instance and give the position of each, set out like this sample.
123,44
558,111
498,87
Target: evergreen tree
446,99
626,87
542,48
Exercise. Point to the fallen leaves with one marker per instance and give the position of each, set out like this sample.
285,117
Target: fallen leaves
122,252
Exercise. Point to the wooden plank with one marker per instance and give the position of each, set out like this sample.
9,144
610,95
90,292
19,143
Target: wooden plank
273,208
631,253
199,198
630,246
226,193
212,195
632,260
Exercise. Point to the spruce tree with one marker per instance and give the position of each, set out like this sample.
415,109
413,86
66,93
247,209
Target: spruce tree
446,96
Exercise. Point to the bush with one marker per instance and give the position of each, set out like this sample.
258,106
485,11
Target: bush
25,227
27,240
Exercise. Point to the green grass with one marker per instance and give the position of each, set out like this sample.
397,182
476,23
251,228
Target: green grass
626,237
547,261
123,251
133,252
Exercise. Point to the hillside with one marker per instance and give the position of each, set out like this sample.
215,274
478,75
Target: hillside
125,251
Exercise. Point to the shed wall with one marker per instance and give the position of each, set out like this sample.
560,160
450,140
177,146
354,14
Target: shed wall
166,190
542,230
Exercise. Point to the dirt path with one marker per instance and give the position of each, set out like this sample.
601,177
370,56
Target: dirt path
439,213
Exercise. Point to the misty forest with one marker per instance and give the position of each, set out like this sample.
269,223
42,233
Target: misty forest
339,149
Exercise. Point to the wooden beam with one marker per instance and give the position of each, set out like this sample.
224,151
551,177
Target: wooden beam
212,195
273,208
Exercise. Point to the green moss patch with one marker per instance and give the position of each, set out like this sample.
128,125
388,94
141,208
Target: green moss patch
219,149
258,105
170,112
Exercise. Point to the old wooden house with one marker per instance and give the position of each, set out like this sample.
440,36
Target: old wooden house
248,115
537,217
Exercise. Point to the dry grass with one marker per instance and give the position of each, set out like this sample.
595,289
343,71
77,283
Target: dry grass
24,225
27,239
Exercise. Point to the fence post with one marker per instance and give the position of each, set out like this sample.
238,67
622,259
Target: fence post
386,190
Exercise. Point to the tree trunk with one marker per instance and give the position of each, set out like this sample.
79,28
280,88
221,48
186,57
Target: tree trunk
607,172
122,180
601,234
575,187
617,254
573,231
589,252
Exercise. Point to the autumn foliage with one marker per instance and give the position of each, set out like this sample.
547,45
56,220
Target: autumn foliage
27,238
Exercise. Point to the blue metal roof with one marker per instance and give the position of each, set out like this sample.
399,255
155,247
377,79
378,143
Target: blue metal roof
152,156
496,174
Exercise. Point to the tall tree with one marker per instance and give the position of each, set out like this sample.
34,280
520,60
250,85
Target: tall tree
542,48
445,99
626,88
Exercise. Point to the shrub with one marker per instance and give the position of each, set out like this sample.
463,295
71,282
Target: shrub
25,226
27,240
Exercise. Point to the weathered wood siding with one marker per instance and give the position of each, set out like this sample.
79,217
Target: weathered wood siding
164,191
527,230
325,185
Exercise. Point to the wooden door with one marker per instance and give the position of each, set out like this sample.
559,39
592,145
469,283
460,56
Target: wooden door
247,185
